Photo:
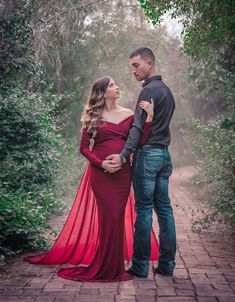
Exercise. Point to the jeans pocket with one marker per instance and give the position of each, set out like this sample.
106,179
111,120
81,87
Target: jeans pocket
152,165
167,168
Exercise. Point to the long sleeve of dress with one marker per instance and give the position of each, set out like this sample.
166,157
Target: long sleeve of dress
84,149
146,133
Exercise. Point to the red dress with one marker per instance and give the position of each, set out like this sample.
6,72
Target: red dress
99,230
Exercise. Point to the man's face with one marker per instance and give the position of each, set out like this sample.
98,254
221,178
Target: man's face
140,67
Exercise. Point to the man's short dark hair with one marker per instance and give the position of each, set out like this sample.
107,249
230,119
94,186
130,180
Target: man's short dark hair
144,52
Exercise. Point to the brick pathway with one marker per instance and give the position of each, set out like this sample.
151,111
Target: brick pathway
205,270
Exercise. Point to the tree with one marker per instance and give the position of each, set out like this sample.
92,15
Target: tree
207,24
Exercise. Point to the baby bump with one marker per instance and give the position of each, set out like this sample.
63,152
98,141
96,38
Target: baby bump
107,148
111,189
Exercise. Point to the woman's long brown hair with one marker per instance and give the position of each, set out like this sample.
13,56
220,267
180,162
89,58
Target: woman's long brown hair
92,113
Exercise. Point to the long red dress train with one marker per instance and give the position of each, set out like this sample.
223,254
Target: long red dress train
95,234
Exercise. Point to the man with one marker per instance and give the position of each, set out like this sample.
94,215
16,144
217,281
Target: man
152,168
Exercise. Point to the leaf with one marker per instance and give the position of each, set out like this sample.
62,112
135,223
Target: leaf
226,123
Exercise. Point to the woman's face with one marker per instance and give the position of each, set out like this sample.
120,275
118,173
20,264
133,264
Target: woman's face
112,92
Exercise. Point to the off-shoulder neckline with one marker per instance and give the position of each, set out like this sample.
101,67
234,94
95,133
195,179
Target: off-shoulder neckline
123,120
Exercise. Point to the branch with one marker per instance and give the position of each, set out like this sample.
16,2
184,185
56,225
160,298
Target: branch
84,5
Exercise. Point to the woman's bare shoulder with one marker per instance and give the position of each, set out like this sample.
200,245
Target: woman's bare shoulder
126,111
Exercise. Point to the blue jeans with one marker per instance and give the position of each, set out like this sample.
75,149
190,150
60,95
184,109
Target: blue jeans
151,171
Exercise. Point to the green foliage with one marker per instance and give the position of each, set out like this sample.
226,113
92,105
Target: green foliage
213,24
31,149
227,123
29,140
31,143
206,23
22,220
17,62
215,83
216,146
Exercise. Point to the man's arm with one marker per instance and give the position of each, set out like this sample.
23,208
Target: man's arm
136,130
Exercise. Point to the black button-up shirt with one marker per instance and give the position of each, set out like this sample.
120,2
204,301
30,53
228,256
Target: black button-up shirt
164,105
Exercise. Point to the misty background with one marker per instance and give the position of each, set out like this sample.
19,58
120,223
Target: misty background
89,44
52,51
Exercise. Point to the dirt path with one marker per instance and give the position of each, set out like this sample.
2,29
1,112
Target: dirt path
205,270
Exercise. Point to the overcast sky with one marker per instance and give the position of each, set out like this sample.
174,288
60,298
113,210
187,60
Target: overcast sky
174,27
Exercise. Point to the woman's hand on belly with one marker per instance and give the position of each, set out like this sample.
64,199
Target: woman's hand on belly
110,167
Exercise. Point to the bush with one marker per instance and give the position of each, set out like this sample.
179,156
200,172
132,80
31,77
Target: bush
215,144
22,220
29,140
17,60
31,149
31,145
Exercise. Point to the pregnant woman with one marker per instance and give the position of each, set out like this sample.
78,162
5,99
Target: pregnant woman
97,235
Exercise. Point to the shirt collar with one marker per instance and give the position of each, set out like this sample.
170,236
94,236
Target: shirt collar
156,77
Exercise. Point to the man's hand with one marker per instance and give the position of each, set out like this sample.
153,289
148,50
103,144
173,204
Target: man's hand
115,159
110,166
132,156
